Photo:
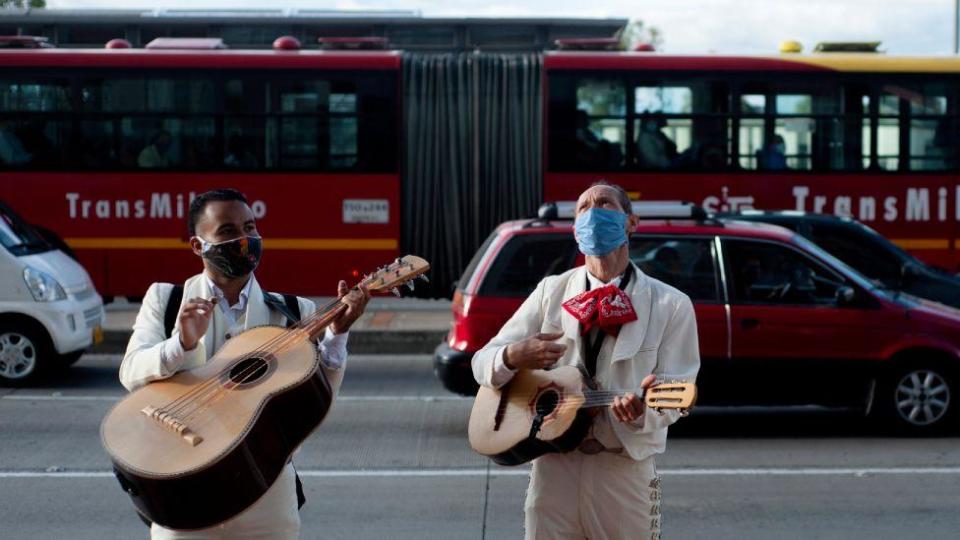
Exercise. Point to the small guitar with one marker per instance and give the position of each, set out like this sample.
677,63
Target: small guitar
541,411
199,447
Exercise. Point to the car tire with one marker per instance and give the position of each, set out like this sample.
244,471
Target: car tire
918,398
25,354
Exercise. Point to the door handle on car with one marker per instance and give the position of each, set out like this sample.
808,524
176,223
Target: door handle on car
749,323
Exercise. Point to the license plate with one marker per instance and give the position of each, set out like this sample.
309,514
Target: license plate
97,335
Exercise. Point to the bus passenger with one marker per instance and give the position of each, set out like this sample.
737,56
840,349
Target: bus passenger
773,156
155,155
654,149
12,151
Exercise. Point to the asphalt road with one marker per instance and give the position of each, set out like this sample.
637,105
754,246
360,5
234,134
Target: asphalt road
392,462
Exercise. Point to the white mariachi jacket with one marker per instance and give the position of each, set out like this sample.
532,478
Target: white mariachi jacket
662,341
143,363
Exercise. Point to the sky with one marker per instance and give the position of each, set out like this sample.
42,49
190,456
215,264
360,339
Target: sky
687,26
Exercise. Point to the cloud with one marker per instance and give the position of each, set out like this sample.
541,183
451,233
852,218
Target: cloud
688,26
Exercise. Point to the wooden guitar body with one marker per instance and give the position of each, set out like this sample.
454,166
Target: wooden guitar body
539,412
500,422
198,448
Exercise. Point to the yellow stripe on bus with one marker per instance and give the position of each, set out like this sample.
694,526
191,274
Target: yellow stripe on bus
309,244
878,63
922,243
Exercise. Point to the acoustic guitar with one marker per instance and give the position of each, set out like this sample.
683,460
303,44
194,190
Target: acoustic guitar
199,447
542,411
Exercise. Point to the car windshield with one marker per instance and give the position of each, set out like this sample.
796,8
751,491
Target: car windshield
17,235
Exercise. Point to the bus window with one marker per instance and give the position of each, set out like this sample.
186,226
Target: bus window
888,133
600,130
148,123
752,110
32,134
680,126
314,124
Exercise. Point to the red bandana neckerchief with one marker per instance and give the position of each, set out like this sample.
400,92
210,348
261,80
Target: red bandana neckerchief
608,307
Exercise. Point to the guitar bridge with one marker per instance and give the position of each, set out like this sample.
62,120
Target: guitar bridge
172,423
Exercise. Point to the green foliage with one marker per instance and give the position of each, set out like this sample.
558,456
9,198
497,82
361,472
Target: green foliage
33,4
636,33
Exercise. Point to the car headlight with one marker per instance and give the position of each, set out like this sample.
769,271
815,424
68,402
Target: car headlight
43,286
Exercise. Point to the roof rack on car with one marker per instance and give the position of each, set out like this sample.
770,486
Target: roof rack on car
643,209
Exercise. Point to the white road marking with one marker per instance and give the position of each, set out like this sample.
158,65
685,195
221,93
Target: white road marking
62,397
523,471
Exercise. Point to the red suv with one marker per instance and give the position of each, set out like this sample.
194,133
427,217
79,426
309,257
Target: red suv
781,321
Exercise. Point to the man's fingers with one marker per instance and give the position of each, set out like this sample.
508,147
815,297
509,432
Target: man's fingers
342,288
648,381
554,347
549,337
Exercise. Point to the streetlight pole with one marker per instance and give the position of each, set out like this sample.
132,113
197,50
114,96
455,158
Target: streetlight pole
956,37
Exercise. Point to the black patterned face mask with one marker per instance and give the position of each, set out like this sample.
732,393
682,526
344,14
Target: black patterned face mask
234,258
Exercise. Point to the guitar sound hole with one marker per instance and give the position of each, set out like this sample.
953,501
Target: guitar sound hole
547,402
249,370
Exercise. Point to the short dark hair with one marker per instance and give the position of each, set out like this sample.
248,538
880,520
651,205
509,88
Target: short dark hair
198,204
622,196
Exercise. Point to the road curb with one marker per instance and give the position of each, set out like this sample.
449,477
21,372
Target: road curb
361,341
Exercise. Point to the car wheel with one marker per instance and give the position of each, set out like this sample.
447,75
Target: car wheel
919,399
22,355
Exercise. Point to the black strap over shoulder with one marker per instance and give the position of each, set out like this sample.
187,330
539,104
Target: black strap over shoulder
172,309
289,307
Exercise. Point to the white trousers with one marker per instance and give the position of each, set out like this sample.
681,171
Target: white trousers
601,497
273,516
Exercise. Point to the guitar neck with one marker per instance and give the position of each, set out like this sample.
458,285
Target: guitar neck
604,398
315,326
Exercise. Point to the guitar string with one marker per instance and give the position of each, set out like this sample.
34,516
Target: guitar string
273,346
276,347
278,341
243,378
178,404
214,390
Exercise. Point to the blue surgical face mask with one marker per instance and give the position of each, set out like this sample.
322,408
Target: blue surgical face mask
600,231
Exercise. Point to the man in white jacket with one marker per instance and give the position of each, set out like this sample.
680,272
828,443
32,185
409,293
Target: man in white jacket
218,304
608,488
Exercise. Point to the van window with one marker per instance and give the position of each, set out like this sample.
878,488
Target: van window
525,260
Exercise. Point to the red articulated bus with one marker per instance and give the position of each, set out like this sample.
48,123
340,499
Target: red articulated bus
856,134
108,147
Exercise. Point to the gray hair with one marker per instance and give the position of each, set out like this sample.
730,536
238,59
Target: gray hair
622,196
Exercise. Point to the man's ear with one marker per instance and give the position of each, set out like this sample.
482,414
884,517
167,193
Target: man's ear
633,221
196,246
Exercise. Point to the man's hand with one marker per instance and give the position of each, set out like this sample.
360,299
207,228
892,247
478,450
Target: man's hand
194,320
535,352
629,407
356,302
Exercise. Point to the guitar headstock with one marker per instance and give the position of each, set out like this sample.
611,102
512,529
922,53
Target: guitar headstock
401,271
671,395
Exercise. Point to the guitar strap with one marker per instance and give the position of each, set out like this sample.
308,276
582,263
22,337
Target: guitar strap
591,349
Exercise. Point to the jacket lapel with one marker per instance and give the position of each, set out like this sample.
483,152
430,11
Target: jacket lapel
258,313
576,284
631,334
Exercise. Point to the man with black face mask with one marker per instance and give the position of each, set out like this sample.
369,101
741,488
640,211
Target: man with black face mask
216,305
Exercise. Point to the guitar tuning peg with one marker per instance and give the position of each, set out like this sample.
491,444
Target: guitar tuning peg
410,285
684,412
424,278
396,292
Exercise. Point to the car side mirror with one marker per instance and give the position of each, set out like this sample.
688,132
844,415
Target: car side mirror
845,295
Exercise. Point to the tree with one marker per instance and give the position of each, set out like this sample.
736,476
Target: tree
637,33
33,4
